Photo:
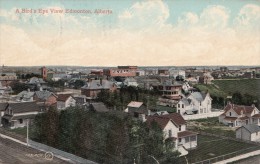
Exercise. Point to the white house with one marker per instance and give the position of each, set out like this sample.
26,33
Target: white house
65,100
248,132
195,103
18,114
174,128
130,81
238,115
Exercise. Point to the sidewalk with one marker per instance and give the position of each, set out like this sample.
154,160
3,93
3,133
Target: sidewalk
257,152
23,143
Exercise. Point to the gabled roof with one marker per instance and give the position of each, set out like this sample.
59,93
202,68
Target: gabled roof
99,107
256,115
199,96
23,107
186,101
176,118
252,128
239,108
98,84
162,122
63,97
135,104
44,95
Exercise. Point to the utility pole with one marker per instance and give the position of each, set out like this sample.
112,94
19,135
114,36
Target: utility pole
27,138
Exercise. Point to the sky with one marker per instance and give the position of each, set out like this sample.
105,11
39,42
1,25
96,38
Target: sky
130,32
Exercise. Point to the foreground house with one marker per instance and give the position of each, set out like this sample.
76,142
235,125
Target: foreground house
195,103
174,128
18,114
248,132
239,115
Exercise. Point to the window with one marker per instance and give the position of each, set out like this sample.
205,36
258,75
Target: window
20,121
182,105
187,139
193,138
179,105
179,128
170,133
229,113
179,111
200,103
179,139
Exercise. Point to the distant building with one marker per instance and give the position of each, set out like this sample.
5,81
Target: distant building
248,132
124,71
44,73
93,87
163,71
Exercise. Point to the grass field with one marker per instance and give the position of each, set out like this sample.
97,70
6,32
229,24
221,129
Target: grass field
222,88
210,147
211,125
250,86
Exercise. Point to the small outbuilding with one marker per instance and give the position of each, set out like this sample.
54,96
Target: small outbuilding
248,132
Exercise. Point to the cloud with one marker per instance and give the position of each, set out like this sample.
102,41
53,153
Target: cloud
248,17
144,14
142,36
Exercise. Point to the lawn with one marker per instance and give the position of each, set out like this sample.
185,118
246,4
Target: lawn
21,131
250,86
211,125
210,147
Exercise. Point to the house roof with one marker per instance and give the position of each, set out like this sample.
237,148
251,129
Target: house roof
25,94
23,107
63,97
256,115
3,106
98,84
186,134
186,101
239,108
99,107
36,80
230,118
176,118
161,121
199,96
244,118
135,104
252,128
44,95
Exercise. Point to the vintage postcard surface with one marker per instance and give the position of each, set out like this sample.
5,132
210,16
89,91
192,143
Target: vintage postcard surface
110,81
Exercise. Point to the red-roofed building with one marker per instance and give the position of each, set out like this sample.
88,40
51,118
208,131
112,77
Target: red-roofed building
239,115
64,101
174,127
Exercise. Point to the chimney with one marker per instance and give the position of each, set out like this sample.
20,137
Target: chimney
253,105
101,82
28,90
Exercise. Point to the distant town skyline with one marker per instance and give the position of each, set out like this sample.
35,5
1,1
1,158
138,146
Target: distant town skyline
142,33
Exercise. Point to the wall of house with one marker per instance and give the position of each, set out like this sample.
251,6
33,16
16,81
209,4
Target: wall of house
173,128
51,100
255,136
243,134
60,105
70,102
17,124
233,113
189,142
